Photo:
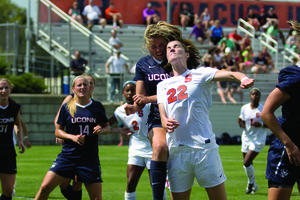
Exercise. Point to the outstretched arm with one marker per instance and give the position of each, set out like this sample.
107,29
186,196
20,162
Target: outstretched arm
222,75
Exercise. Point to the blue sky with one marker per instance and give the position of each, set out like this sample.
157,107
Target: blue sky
24,4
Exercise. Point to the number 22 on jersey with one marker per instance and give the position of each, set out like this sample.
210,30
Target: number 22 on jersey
180,92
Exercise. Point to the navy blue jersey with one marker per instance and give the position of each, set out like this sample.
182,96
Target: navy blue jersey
149,71
289,81
8,116
86,118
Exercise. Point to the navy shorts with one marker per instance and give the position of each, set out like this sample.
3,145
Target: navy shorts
279,168
94,21
87,172
8,165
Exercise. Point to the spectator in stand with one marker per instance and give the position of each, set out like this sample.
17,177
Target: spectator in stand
252,19
238,58
236,38
228,61
268,57
260,64
113,16
199,31
93,14
78,64
187,17
216,33
292,41
248,61
210,53
274,32
74,12
218,58
150,16
245,42
234,87
205,18
229,42
262,19
207,60
114,41
114,67
223,89
271,18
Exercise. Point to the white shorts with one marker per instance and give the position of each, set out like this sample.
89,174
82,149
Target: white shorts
139,161
252,145
186,163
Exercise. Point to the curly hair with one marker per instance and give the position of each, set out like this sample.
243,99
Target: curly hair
193,60
296,26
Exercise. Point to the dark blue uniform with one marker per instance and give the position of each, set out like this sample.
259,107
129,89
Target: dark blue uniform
82,161
151,72
8,155
279,168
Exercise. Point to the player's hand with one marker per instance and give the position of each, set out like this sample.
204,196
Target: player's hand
97,130
79,139
172,124
247,83
21,147
126,131
130,109
140,99
293,154
28,144
242,124
59,141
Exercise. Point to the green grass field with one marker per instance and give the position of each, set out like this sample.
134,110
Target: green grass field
35,162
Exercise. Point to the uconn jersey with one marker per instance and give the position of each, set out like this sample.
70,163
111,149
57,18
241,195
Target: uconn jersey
139,144
187,98
8,116
83,123
152,72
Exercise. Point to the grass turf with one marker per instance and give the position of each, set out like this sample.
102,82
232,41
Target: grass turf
35,162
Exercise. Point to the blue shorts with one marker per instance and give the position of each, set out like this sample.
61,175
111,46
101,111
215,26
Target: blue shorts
153,124
8,165
94,21
88,172
153,118
279,169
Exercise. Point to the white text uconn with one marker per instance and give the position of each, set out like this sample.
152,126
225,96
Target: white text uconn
83,120
158,77
6,120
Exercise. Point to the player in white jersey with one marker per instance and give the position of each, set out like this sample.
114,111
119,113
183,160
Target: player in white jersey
140,150
184,102
253,136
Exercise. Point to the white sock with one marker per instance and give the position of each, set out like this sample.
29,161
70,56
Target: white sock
130,196
250,174
165,195
114,24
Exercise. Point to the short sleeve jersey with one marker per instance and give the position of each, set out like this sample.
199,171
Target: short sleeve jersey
216,32
188,98
92,12
139,144
289,82
116,64
108,10
151,72
250,132
83,123
78,64
8,116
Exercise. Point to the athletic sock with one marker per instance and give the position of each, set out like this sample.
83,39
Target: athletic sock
250,174
77,195
3,197
165,195
114,24
130,196
158,172
67,192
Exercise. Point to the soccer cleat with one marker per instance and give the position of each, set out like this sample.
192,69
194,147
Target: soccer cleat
249,188
120,144
254,189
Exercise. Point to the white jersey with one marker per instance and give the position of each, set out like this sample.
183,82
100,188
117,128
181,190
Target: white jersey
139,144
187,98
116,64
92,12
113,41
251,133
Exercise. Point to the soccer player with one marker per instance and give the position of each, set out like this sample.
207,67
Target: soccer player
149,72
9,116
253,136
184,102
140,151
84,119
73,192
283,155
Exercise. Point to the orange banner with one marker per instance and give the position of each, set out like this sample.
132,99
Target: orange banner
227,12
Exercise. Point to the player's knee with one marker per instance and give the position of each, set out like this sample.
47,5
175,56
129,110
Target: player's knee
45,189
131,185
160,149
8,191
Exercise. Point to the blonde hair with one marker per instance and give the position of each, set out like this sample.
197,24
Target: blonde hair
162,29
296,26
71,105
9,83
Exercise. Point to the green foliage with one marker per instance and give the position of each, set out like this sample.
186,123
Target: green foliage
3,67
11,13
27,83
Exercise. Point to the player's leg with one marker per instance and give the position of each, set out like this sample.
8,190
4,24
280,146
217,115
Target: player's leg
158,169
217,193
249,169
134,173
181,195
277,191
66,188
51,180
94,190
7,185
76,189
